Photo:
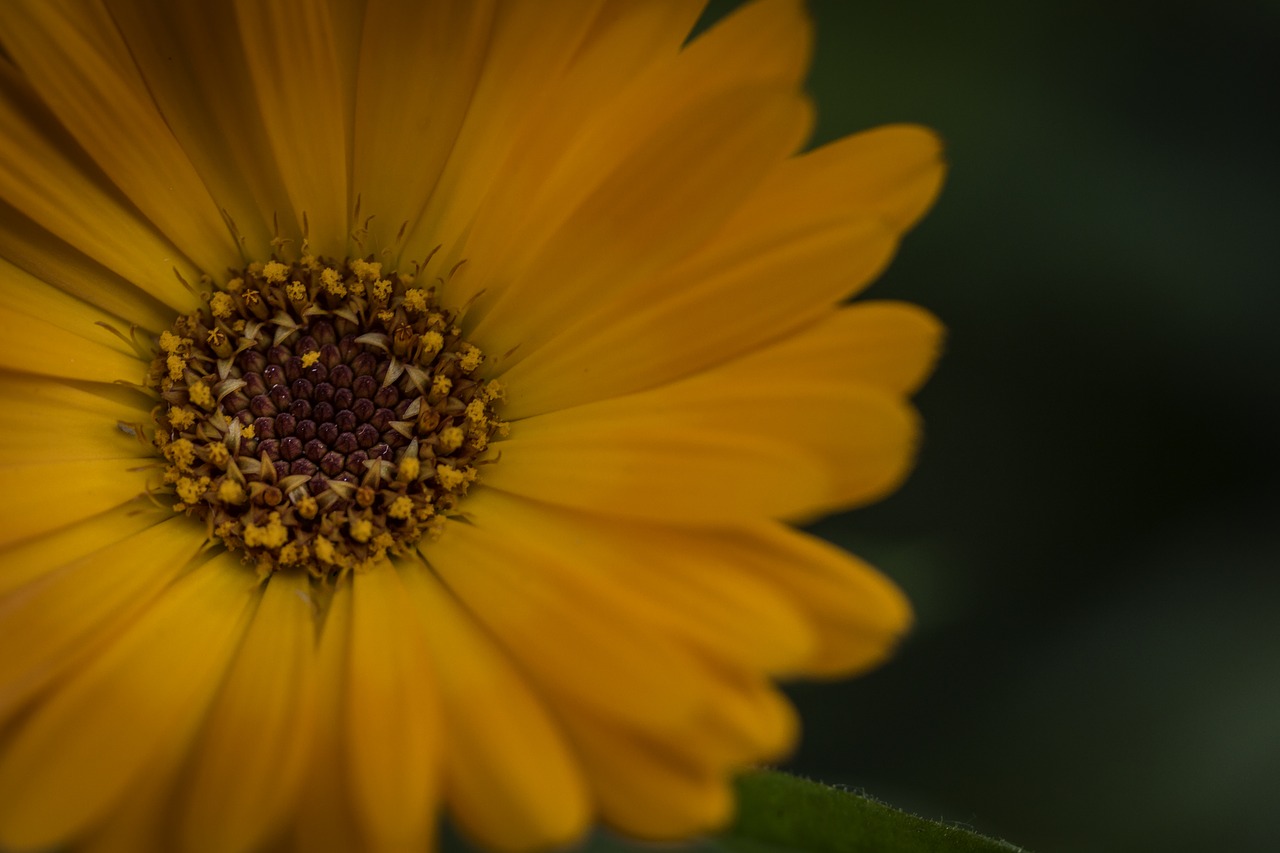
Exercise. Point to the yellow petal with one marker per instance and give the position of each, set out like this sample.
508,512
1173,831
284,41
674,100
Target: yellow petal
628,87
44,419
202,90
645,787
295,52
859,614
511,780
889,345
74,57
246,771
679,578
77,753
715,450
42,176
325,818
39,497
46,257
393,737
526,54
574,631
54,334
410,48
42,554
745,719
67,615
672,192
823,225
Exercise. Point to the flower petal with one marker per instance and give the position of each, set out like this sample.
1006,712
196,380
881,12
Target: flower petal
46,257
393,737
431,47
859,613
44,174
204,90
54,334
76,59
577,634
646,787
819,225
511,779
526,55
671,192
37,556
63,769
326,818
43,419
679,579
65,616
295,52
42,496
246,770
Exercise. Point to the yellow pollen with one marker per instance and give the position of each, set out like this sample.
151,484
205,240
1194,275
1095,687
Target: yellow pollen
176,364
231,492
235,285
451,439
449,478
471,358
415,300
409,469
432,343
219,455
192,490
181,418
494,391
271,535
366,270
310,358
296,291
475,412
221,305
274,272
248,432
382,290
401,508
386,316
181,453
324,550
361,529
169,342
307,507
441,385
200,395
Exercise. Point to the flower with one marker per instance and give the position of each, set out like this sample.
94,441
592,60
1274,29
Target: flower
590,297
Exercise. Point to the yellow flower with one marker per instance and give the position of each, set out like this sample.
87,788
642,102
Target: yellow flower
529,605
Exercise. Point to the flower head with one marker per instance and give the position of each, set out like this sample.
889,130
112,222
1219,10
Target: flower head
404,405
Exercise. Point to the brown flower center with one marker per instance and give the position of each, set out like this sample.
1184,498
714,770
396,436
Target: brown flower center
320,415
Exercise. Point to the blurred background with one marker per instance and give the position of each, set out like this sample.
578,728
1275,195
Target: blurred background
1090,539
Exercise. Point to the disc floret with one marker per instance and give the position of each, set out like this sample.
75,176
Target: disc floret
320,415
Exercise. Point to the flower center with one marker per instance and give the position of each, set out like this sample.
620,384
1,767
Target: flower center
320,415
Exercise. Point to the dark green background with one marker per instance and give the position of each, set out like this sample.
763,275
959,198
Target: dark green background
1089,539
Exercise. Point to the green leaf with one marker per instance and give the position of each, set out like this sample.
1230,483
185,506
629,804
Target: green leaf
778,813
